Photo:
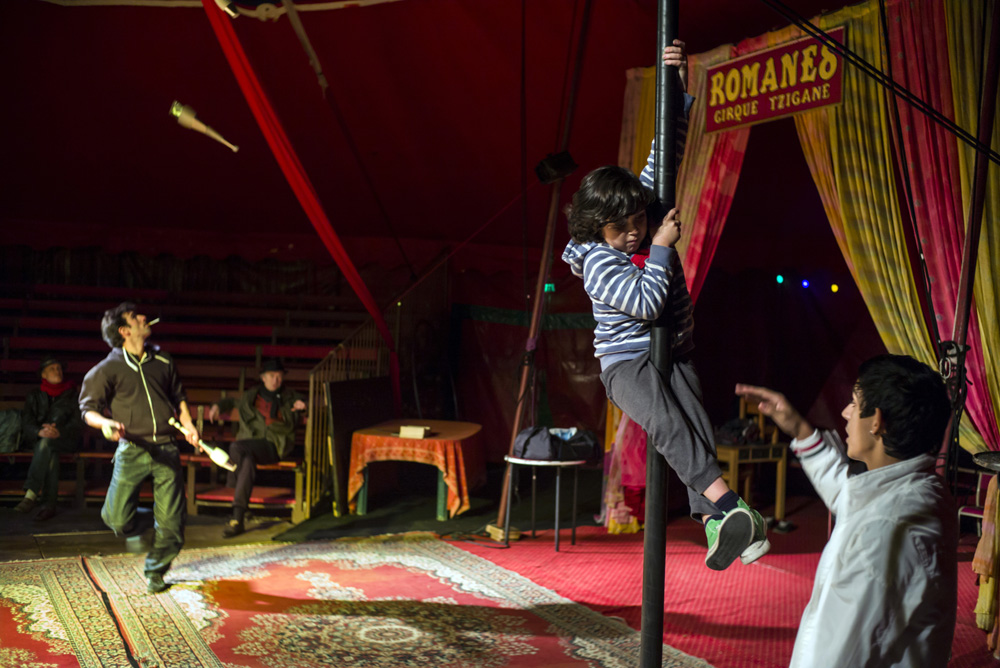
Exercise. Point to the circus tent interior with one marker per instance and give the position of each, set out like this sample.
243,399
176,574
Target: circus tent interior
386,164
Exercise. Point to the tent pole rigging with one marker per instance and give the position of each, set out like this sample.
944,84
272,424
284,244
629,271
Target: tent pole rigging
317,67
527,367
951,354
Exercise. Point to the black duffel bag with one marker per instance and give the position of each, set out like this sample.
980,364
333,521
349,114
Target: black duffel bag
563,445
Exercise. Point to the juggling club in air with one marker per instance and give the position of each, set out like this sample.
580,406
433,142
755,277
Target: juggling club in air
187,118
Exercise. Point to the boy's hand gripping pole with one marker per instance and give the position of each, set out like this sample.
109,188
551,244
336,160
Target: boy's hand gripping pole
217,455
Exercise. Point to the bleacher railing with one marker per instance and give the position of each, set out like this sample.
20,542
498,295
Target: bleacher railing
363,355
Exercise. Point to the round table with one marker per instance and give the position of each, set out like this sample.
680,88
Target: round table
542,463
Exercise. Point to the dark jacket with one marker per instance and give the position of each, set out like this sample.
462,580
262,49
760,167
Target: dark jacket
282,433
40,408
142,396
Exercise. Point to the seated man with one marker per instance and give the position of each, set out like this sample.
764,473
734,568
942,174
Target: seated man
885,588
52,426
268,415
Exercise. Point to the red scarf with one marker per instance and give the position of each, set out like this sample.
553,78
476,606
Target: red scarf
640,256
55,390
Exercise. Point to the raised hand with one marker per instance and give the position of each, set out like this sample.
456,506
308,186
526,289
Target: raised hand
776,406
676,55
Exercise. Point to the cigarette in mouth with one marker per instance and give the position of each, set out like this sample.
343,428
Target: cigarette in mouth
152,322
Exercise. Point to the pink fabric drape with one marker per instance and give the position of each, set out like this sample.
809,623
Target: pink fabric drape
713,207
710,197
918,47
295,173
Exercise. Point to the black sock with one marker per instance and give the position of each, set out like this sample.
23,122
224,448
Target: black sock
714,517
238,513
727,501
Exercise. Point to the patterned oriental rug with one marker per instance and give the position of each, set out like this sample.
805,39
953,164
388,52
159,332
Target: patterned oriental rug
387,602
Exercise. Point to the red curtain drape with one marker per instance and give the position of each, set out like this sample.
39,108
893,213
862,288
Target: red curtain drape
295,173
918,46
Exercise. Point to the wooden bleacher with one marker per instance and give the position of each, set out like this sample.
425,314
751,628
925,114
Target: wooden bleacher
217,341
14,487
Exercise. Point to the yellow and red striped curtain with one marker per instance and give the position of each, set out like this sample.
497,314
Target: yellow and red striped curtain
964,21
849,152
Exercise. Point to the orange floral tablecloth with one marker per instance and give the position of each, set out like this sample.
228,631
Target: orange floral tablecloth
450,447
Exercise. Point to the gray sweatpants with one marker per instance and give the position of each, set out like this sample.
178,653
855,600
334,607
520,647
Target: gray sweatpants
673,418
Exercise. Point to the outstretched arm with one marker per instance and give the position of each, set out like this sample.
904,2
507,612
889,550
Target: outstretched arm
775,406
609,277
821,458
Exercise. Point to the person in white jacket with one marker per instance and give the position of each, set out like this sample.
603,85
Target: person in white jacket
886,586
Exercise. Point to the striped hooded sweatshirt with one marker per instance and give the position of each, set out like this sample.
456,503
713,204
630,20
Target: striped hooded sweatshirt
627,298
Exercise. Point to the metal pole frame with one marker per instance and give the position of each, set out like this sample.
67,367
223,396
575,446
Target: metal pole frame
527,376
654,547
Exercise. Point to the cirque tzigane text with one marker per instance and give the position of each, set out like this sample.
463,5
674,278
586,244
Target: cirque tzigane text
774,83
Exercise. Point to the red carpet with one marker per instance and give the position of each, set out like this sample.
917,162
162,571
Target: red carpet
51,615
409,600
745,616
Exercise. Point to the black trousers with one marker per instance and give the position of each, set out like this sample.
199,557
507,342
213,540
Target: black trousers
246,455
43,473
133,464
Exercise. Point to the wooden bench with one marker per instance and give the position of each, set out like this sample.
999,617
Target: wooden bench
169,331
91,491
91,344
273,316
152,295
262,497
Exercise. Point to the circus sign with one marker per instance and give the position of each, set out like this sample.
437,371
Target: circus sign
781,81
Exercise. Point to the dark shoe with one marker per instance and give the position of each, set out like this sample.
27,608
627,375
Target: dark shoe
155,584
234,528
46,513
26,505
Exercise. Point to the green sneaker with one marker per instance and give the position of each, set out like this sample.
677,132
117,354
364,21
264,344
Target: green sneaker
728,537
759,544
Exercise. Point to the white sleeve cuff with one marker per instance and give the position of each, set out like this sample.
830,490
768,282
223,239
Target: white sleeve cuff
808,444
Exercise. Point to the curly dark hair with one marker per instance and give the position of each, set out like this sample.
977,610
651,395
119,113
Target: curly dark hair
606,195
914,403
112,320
